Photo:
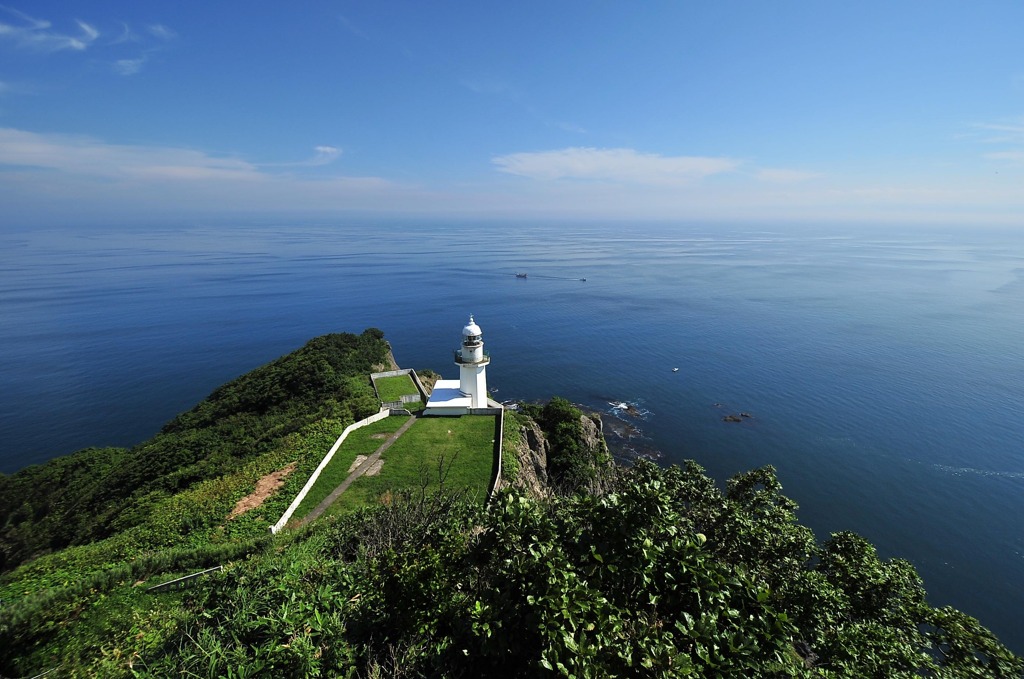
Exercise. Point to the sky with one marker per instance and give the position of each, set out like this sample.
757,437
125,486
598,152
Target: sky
874,111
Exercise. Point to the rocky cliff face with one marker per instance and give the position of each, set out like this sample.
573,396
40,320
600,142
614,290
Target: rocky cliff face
388,364
593,434
531,451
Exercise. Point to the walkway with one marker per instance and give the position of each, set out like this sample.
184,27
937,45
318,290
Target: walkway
359,471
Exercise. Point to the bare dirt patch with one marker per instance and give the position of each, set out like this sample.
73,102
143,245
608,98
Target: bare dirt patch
265,487
356,462
375,468
382,435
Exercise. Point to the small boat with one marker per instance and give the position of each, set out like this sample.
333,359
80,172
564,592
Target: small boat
520,275
584,280
675,370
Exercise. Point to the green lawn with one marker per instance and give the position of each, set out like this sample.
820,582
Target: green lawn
394,388
464,444
362,441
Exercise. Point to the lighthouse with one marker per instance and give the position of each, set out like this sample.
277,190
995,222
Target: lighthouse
472,362
454,398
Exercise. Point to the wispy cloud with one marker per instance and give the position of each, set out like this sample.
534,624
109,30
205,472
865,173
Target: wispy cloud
776,175
1006,134
47,168
30,33
162,32
129,34
89,157
322,155
86,156
39,35
325,155
1012,156
133,65
129,66
495,87
68,177
352,28
613,165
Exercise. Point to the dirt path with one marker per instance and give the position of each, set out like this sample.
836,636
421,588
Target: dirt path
265,487
360,470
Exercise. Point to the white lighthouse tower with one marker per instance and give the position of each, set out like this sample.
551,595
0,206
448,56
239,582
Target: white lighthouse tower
454,398
472,362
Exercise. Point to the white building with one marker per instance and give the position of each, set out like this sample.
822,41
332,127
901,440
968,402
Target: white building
457,397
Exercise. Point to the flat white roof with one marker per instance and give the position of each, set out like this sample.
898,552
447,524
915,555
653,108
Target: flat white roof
446,394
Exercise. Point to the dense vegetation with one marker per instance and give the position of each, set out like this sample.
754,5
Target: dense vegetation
75,527
661,575
630,573
95,493
574,463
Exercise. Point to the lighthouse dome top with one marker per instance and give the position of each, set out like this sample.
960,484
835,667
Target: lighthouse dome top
471,329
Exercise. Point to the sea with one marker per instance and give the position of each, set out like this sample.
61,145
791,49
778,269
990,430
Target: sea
879,369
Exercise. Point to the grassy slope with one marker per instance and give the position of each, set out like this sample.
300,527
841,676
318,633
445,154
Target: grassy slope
362,441
94,494
458,451
75,530
394,388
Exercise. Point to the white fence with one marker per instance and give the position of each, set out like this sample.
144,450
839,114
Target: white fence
316,474
499,445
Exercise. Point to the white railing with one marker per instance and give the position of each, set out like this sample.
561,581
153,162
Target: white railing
499,446
316,474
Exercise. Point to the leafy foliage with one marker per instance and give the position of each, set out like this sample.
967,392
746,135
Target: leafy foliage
649,579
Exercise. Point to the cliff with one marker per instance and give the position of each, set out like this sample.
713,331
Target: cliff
529,448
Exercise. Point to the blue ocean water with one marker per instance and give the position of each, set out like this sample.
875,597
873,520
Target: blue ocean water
883,368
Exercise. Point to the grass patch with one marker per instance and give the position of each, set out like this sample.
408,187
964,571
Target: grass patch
362,441
465,445
512,438
395,387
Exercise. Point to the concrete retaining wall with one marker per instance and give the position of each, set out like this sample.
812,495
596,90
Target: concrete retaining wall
316,474
419,385
498,444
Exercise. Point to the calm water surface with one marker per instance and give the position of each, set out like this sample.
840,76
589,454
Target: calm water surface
883,368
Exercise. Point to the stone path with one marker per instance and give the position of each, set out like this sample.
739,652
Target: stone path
359,471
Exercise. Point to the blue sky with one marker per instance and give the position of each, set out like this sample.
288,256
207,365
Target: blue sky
799,111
